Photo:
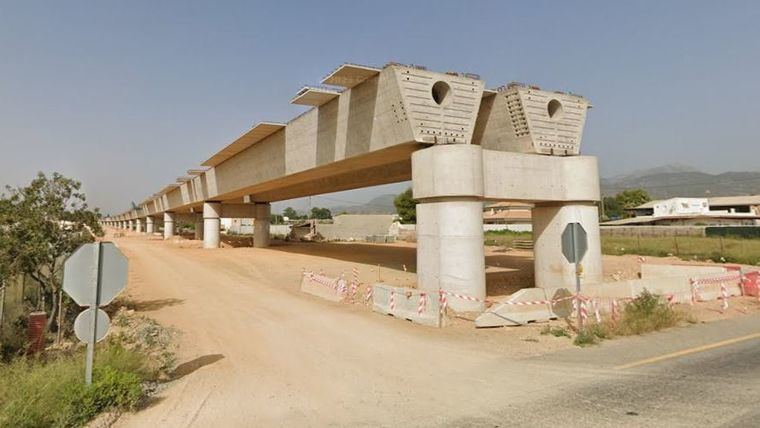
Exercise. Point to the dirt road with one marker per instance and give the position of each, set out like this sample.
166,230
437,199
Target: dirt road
257,352
275,356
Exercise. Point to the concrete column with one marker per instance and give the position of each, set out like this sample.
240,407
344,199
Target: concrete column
168,225
550,266
212,212
450,250
199,227
448,182
149,225
131,225
139,225
263,212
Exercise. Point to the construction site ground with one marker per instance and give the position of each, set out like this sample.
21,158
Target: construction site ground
256,351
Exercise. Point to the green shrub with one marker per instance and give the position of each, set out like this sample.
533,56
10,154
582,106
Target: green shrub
555,331
585,338
39,392
647,312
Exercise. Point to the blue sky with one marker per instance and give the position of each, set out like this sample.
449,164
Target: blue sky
125,96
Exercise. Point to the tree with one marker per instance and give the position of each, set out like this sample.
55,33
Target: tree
290,213
45,222
321,213
406,206
630,199
612,209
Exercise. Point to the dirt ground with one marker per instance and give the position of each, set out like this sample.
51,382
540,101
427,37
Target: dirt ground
256,351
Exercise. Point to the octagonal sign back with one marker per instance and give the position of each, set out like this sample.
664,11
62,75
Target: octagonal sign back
90,261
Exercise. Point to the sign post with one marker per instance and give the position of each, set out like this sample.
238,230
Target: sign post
574,247
93,276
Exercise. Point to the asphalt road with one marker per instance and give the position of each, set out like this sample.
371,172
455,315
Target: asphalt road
712,384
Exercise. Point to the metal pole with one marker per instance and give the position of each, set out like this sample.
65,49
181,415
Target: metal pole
578,268
90,357
59,335
578,294
2,306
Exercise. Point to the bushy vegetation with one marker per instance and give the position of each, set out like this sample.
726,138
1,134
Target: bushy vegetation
51,392
41,225
646,313
406,207
555,331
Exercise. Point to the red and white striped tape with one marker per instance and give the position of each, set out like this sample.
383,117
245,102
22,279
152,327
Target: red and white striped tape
733,276
354,281
423,303
392,301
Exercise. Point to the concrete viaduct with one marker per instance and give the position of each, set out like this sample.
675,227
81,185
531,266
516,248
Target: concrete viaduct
459,143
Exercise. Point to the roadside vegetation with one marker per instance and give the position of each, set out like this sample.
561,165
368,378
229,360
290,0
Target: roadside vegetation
42,384
646,313
49,389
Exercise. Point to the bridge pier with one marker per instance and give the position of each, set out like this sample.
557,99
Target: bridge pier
262,212
551,269
212,212
139,225
448,182
199,228
131,225
149,225
168,225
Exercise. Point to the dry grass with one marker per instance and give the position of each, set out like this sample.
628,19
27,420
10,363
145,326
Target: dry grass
719,250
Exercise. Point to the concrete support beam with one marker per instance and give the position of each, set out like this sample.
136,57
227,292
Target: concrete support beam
149,225
168,225
261,221
212,212
551,268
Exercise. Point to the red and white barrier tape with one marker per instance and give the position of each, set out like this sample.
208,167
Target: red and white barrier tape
734,276
392,301
423,303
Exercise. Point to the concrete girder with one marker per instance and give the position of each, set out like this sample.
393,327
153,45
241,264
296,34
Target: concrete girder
399,106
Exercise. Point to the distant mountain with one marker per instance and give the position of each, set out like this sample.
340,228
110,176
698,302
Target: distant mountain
382,204
680,180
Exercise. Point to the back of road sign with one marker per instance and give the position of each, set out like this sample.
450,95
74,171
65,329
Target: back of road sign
80,273
574,242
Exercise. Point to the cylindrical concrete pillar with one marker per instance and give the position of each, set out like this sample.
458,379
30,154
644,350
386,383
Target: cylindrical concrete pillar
551,267
212,212
450,251
131,225
168,225
199,227
139,225
263,212
149,225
